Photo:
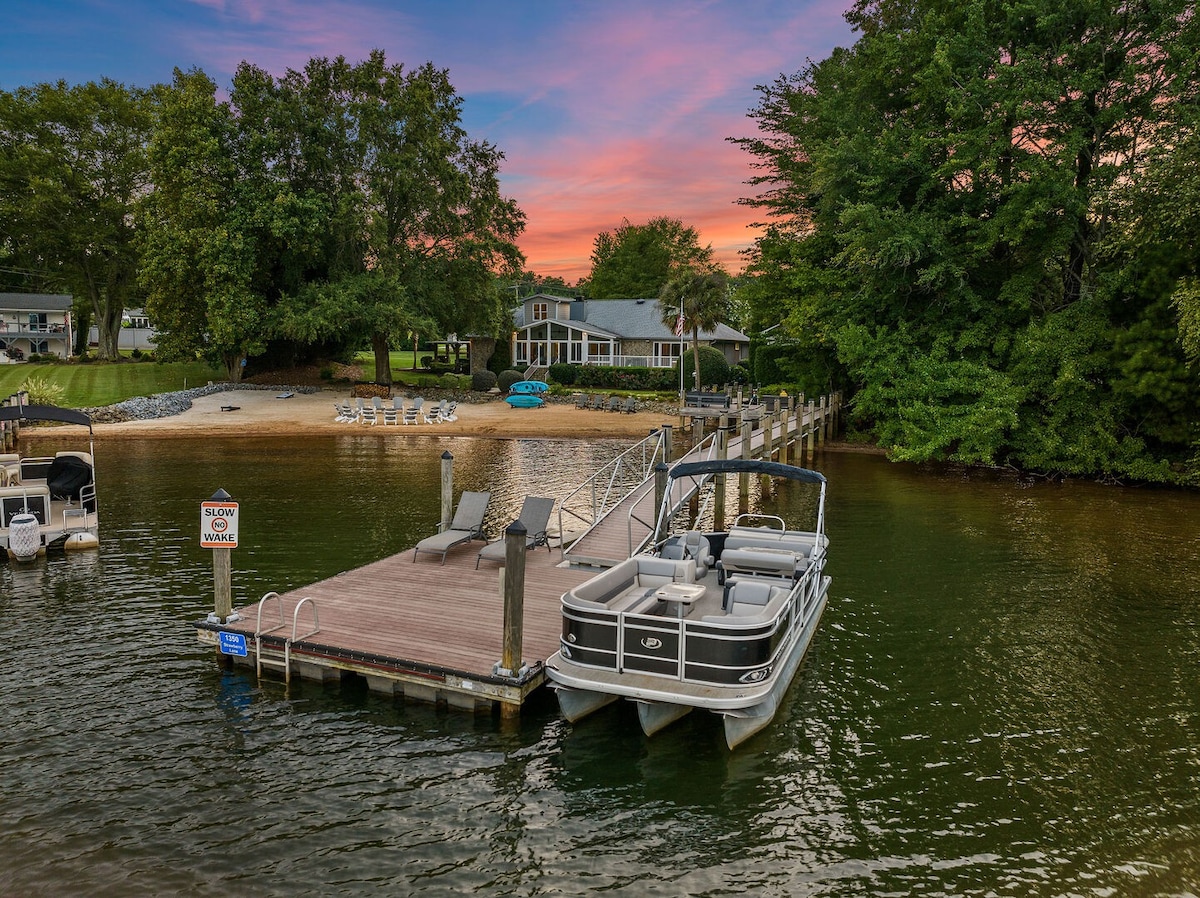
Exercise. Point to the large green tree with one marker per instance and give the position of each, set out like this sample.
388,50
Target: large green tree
940,191
635,261
417,224
72,166
219,228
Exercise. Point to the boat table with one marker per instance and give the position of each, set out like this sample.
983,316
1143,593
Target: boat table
681,595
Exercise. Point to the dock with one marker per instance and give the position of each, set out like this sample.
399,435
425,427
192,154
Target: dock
435,632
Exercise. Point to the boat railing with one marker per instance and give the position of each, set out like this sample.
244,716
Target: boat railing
585,506
258,627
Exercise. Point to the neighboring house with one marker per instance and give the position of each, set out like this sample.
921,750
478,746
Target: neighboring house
617,332
136,332
36,323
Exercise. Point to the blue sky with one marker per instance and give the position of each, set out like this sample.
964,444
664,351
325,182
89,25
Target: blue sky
605,111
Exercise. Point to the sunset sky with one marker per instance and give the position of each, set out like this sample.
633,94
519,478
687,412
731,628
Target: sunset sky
605,110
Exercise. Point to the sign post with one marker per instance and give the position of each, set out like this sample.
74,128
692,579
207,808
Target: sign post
219,532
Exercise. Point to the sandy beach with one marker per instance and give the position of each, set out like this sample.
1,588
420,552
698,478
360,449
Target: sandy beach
263,412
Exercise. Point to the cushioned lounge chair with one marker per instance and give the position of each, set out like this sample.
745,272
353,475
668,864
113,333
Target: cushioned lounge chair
535,515
466,526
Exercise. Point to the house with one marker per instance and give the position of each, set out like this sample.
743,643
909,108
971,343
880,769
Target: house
136,332
617,332
36,323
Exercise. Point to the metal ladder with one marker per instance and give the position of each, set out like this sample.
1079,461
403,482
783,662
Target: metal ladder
259,632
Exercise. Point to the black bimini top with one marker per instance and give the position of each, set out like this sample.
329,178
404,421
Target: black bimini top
746,466
44,413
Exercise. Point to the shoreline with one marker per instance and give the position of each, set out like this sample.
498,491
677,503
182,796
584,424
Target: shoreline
255,412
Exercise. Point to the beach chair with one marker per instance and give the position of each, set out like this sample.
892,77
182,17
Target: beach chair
434,415
535,515
614,403
630,405
344,412
597,403
371,413
411,414
450,412
391,414
466,526
581,401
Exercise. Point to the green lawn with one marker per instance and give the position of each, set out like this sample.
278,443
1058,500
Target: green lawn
102,383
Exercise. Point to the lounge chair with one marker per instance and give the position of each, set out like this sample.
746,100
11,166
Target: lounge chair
535,514
370,413
630,405
581,401
466,526
434,415
597,403
614,403
411,413
391,415
450,412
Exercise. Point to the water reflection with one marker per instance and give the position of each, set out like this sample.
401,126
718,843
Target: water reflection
1000,700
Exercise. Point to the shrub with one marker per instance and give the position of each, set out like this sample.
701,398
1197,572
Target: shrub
448,381
714,370
562,373
42,391
482,381
327,373
507,378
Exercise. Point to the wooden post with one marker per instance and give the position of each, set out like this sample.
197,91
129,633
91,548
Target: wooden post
821,434
722,439
743,477
447,489
660,492
785,435
812,427
222,559
514,608
668,447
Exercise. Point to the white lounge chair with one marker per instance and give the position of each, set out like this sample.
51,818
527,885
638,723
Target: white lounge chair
391,413
535,515
466,526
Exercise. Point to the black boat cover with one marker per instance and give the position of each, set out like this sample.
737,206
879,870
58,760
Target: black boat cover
67,475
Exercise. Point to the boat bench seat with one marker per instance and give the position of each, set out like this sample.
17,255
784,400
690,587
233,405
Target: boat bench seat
14,500
618,588
750,600
761,550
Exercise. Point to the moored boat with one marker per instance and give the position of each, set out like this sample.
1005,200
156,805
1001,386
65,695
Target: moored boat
718,621
47,503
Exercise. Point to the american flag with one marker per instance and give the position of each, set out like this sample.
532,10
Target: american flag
679,327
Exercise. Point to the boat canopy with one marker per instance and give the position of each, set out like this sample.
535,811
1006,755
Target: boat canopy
745,466
44,413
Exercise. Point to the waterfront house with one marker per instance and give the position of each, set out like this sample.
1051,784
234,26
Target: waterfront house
616,332
36,323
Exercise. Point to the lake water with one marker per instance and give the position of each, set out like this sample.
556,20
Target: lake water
1003,699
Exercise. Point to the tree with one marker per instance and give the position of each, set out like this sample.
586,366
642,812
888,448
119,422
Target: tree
72,166
636,261
412,202
217,229
696,300
949,179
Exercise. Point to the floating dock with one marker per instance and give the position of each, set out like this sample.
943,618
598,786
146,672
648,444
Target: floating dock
435,632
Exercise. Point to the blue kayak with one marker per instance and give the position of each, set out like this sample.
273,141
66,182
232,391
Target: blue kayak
529,386
524,400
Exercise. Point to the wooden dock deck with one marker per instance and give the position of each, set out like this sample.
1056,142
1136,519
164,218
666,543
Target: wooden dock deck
420,629
434,632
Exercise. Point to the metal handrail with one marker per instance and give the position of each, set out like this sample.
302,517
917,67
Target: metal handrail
601,487
705,450
287,646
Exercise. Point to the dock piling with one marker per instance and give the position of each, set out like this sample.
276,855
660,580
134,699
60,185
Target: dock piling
514,608
447,488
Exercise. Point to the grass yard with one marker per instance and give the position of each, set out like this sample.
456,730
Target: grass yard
103,383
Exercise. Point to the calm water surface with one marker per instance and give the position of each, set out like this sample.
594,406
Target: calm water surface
1002,699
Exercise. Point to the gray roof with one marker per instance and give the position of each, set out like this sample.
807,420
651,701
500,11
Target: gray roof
630,319
36,302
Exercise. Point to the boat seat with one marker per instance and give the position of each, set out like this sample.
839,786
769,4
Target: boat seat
777,562
749,599
694,545
15,500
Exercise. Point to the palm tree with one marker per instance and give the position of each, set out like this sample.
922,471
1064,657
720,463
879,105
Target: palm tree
703,297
